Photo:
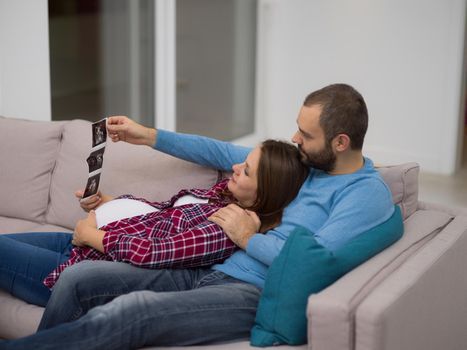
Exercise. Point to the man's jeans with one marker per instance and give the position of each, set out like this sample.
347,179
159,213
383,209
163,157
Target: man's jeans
110,305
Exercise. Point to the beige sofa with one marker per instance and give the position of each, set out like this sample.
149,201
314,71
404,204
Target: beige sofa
411,296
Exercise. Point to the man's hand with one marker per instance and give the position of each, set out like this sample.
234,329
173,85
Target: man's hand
87,234
92,202
238,224
121,128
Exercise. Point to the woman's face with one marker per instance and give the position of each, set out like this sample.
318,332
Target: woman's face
244,181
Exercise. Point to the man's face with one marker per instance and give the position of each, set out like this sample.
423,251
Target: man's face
311,141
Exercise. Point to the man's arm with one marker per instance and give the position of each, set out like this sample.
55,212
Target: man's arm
360,207
201,150
242,227
121,128
357,209
239,224
197,149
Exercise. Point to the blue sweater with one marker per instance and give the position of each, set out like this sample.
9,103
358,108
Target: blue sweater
335,208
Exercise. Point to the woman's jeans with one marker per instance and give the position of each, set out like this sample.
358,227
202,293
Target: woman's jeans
27,258
112,305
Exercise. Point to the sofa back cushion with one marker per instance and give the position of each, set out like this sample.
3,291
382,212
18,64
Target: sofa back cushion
127,169
28,153
402,180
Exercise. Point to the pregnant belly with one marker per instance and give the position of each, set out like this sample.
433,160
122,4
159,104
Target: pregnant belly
119,209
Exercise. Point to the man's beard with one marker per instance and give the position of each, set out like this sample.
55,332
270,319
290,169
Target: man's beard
324,160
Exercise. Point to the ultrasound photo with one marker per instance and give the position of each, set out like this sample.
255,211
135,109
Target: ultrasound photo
96,159
92,185
99,133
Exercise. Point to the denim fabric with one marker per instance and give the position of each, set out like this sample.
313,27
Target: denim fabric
111,305
27,258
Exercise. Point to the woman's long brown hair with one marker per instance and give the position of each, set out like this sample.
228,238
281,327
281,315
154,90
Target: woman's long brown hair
281,173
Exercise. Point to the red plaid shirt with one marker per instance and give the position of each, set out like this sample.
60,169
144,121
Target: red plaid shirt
173,237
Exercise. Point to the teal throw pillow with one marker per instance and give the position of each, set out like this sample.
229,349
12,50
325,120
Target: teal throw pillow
304,267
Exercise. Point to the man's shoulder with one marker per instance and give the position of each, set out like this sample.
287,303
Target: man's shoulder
368,176
371,184
367,185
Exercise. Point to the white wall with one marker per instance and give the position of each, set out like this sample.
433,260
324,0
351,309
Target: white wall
405,57
24,59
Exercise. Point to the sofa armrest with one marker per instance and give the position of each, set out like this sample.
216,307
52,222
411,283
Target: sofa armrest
422,305
331,313
452,210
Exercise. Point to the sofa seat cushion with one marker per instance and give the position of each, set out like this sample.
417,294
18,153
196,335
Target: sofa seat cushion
28,153
304,267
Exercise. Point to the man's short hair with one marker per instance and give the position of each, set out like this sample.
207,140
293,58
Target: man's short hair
343,112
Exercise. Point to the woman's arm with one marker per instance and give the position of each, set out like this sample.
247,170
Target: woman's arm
87,234
202,245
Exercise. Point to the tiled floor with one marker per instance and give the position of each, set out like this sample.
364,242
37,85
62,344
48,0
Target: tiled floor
449,190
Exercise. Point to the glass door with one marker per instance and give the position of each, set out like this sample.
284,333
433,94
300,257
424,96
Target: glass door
216,53
185,65
102,59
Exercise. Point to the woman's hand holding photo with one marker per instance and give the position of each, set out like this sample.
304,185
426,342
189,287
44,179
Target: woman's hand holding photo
92,202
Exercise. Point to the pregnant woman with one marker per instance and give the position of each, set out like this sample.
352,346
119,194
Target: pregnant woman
177,233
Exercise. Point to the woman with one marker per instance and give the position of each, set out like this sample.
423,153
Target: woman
172,234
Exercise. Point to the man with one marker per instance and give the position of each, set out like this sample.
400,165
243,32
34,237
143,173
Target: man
116,306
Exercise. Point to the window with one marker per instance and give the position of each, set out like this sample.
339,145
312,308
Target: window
216,45
103,62
102,59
